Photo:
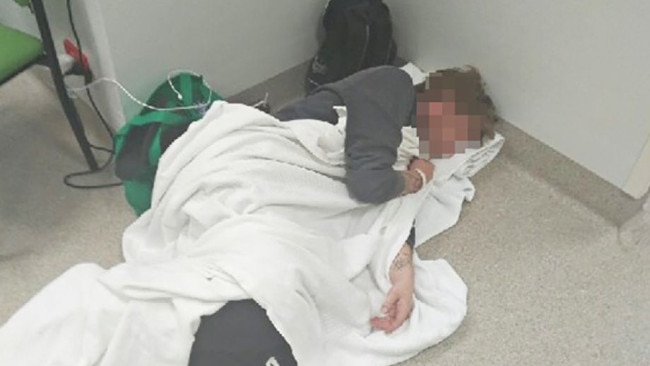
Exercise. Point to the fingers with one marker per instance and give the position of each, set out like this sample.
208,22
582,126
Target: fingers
430,170
403,311
381,323
396,309
390,323
390,311
391,299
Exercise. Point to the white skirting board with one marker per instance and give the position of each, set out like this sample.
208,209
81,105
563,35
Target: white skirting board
636,231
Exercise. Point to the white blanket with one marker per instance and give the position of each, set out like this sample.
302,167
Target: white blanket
247,207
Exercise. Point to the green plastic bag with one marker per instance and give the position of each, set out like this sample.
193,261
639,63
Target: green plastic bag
141,142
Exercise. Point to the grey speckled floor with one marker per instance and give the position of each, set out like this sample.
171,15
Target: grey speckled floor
549,283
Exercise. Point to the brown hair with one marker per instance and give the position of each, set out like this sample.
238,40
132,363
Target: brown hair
468,94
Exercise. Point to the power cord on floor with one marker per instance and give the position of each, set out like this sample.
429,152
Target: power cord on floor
200,106
111,151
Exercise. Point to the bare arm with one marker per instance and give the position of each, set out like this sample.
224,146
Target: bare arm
399,303
403,260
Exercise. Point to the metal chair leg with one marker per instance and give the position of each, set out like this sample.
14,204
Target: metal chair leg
68,105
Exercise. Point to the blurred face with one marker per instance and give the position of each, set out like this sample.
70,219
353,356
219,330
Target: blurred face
444,127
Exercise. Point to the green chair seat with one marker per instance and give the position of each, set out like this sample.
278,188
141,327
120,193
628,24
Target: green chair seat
17,50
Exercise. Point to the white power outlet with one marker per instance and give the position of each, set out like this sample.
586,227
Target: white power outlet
66,61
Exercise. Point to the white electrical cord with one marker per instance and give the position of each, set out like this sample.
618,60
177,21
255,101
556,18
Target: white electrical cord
169,80
262,102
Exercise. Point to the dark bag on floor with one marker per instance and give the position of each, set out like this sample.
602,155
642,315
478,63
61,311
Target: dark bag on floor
358,35
141,142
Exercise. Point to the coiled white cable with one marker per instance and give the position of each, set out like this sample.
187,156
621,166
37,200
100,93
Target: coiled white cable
203,105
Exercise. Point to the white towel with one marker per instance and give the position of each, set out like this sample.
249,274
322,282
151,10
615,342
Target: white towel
245,206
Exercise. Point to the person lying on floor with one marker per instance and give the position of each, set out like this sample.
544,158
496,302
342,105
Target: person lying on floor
450,114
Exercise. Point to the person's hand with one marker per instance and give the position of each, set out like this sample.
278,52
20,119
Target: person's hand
425,166
399,303
412,181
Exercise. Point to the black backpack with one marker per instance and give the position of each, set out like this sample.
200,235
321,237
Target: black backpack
358,35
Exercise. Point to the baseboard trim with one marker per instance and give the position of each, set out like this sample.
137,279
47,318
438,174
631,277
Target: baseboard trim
638,183
282,88
539,159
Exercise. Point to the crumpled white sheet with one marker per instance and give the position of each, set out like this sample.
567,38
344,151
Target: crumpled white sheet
245,206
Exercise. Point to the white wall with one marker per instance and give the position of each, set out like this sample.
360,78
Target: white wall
235,44
572,73
89,24
14,16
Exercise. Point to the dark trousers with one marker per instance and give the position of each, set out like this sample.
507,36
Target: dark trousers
239,334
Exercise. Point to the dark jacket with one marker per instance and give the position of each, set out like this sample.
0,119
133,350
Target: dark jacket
379,101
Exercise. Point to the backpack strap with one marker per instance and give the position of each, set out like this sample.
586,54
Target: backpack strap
382,47
166,119
163,117
357,23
